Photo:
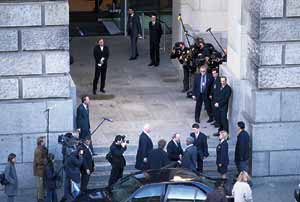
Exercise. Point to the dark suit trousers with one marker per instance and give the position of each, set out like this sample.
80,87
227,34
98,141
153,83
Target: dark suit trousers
115,174
222,115
134,49
99,71
154,52
199,164
215,112
84,182
200,99
186,78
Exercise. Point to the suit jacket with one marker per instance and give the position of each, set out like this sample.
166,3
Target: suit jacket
189,159
117,152
155,32
223,98
201,143
88,161
206,87
72,167
98,54
10,173
216,196
215,88
242,147
222,153
134,27
83,121
157,159
144,149
174,151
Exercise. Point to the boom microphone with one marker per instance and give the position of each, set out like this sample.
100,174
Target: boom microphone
107,119
208,30
179,17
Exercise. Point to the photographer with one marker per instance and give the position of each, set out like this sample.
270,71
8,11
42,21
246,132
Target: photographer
118,162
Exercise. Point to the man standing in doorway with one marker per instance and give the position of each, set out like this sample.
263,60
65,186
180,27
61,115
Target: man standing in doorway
155,33
101,55
134,30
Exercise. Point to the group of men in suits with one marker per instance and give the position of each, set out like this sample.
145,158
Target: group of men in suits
215,93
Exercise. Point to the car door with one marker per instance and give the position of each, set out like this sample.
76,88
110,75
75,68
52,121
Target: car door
184,193
149,193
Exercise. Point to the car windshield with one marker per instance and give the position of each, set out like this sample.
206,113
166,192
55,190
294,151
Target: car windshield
125,187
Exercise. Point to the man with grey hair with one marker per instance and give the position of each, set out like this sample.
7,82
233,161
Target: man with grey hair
189,159
144,148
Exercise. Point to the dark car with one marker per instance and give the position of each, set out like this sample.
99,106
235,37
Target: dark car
164,185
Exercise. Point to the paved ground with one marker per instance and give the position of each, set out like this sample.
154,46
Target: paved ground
137,94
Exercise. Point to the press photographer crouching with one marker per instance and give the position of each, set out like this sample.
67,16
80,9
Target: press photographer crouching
117,160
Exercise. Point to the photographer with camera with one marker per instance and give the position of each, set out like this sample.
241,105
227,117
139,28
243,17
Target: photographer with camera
118,162
72,165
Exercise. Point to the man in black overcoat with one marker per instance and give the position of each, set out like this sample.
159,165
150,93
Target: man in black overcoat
158,158
144,148
242,148
222,103
200,141
214,93
134,30
101,55
174,148
118,162
155,32
201,92
88,165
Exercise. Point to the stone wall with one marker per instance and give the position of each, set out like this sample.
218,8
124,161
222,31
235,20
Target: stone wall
34,76
264,65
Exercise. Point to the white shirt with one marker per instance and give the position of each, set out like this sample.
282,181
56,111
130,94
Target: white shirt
147,134
101,47
85,106
175,142
241,192
88,148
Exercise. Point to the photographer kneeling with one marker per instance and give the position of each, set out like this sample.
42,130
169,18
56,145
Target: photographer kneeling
117,161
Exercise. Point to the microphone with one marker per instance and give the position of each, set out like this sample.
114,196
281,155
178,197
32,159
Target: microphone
179,17
50,108
209,29
107,119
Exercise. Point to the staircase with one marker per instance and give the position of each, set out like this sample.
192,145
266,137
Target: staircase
100,177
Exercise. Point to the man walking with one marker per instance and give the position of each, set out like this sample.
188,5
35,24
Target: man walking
101,55
242,148
134,30
200,141
144,148
201,92
155,33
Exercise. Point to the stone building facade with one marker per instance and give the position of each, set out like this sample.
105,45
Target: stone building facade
34,76
263,69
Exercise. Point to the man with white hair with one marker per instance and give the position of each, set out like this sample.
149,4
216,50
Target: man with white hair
144,148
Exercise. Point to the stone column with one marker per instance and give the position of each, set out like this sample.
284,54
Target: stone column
264,69
34,76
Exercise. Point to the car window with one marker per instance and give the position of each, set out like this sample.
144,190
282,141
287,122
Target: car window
200,196
181,193
150,193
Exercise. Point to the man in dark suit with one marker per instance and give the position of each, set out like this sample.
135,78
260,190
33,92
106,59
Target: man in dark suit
200,141
118,162
222,102
134,30
158,158
189,159
83,119
88,165
242,148
222,160
214,93
101,55
174,148
144,148
201,92
155,33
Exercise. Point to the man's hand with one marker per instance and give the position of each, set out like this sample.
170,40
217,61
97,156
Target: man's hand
216,104
180,156
145,160
210,97
220,165
194,97
123,144
88,171
140,36
78,129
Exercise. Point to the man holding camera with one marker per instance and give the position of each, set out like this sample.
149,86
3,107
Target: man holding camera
88,165
118,162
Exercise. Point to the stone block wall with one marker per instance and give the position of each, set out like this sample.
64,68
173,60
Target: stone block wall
265,68
34,76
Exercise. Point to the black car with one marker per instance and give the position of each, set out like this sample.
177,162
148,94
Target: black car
164,185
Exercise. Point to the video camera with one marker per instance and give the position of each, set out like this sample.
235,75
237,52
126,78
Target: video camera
124,139
67,138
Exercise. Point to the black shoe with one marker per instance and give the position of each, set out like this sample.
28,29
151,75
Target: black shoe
217,126
184,90
209,120
102,91
151,64
94,92
156,65
95,154
63,199
216,134
197,121
132,58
